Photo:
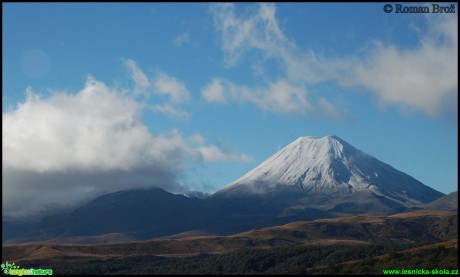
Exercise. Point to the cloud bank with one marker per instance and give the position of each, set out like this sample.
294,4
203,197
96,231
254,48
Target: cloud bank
65,148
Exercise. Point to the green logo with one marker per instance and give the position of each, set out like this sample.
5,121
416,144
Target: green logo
6,267
12,269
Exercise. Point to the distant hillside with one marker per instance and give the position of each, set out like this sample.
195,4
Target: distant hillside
446,203
400,228
413,227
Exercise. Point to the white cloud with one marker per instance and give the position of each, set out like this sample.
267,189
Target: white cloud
260,31
182,39
70,131
213,153
214,92
240,34
64,148
197,139
169,110
139,77
422,77
162,84
280,96
165,84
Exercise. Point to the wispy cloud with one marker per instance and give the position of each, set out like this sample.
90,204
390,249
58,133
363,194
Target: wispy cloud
280,97
241,34
140,79
423,78
161,84
213,153
182,39
214,92
79,145
169,110
165,84
260,31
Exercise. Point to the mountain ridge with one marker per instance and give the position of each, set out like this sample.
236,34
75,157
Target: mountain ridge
148,213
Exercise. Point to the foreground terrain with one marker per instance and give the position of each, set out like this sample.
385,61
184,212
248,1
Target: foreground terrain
341,245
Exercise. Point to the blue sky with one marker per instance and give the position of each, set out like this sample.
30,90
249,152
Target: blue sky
202,93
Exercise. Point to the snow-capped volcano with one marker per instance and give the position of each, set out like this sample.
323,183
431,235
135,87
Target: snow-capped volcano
329,166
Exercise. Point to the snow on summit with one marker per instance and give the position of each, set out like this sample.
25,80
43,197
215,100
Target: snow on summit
302,164
328,165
